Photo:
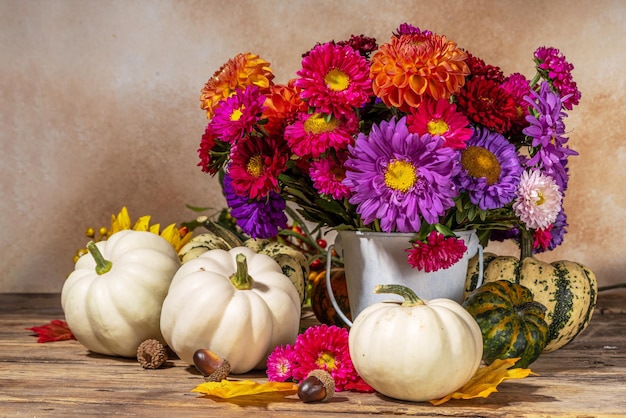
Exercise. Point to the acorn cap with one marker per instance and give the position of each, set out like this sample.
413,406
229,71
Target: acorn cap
151,354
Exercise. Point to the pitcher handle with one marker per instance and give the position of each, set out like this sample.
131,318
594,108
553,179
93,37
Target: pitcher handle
329,288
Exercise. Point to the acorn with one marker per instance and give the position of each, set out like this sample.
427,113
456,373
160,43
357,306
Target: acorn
319,386
213,367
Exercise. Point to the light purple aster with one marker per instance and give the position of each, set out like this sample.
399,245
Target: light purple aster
553,66
236,116
491,170
260,218
547,131
396,177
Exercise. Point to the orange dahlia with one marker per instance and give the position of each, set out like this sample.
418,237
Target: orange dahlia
412,66
282,104
239,72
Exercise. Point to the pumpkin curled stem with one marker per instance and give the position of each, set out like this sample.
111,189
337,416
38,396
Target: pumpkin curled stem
410,298
102,265
240,278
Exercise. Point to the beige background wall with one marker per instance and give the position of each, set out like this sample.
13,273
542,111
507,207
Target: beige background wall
99,106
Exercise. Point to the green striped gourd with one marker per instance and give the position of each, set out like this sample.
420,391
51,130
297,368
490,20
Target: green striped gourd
200,244
293,263
512,323
567,289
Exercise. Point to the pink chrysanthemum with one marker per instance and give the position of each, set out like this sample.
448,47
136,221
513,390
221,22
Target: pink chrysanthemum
440,118
236,116
324,347
280,364
334,79
313,134
437,253
327,175
256,164
538,200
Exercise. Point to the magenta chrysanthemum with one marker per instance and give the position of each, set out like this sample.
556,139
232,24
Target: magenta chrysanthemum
236,116
280,364
398,177
334,79
327,175
538,200
313,134
440,118
438,252
491,170
324,347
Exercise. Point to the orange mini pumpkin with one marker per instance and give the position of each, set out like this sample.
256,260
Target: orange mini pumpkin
320,300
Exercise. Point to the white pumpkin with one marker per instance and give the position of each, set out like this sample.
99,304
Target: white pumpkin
236,303
114,311
416,350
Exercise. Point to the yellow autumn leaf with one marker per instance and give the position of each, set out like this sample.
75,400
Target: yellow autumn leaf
233,388
486,380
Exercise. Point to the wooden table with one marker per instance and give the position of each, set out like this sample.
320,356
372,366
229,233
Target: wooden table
585,378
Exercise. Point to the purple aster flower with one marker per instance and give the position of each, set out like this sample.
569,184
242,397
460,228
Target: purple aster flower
396,177
553,66
236,116
547,131
260,218
491,170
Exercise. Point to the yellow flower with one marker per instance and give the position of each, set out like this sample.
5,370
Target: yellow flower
176,236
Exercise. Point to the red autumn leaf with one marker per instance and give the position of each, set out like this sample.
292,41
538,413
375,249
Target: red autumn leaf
56,330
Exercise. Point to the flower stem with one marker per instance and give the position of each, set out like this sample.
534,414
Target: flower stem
410,298
240,278
526,244
102,265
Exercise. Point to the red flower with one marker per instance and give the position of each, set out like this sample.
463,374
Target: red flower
256,164
438,253
484,102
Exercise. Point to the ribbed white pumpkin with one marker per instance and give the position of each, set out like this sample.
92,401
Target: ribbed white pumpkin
204,309
112,313
417,350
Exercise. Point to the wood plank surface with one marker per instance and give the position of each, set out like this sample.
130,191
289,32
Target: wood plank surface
587,378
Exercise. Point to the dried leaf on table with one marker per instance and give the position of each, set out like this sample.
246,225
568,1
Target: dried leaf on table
486,380
55,330
234,388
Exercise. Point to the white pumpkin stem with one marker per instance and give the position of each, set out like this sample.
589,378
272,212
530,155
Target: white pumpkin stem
102,265
240,278
410,298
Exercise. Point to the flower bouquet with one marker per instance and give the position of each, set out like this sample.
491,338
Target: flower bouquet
416,135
